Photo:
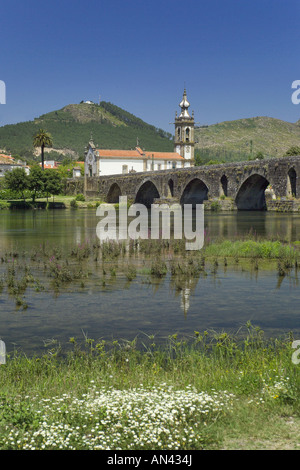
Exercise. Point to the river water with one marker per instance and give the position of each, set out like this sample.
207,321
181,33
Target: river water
220,301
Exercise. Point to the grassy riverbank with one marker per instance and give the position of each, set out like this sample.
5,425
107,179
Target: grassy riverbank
59,202
211,391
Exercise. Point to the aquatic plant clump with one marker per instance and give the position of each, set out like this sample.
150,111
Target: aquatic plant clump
105,419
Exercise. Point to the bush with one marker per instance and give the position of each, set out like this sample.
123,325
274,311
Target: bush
4,205
215,206
80,197
292,151
73,203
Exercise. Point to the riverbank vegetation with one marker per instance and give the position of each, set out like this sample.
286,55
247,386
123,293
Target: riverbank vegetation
206,390
210,391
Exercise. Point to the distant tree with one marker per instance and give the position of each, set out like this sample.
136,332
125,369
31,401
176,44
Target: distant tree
52,183
17,180
36,181
67,160
259,156
214,162
292,151
42,139
198,159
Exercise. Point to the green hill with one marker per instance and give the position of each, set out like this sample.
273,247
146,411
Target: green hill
71,128
237,140
113,127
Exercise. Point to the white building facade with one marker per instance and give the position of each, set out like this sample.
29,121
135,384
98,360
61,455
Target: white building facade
7,163
102,162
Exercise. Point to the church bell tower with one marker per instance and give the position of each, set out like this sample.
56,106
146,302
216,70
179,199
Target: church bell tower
184,142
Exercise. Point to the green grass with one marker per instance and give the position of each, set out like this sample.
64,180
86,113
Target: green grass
252,249
65,201
210,391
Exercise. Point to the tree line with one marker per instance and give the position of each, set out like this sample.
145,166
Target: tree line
46,182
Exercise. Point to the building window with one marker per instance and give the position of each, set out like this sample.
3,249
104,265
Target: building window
187,134
124,169
159,166
174,165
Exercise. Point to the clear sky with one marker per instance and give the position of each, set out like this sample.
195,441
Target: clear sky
236,58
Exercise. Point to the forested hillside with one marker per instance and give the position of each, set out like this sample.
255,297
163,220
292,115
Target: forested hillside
71,128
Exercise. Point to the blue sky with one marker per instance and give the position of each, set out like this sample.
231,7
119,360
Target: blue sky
237,58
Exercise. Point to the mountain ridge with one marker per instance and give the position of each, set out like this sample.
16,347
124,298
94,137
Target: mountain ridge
244,137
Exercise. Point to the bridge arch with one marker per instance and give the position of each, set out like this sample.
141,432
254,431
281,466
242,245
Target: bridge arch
170,188
114,193
292,182
146,193
224,186
195,192
251,194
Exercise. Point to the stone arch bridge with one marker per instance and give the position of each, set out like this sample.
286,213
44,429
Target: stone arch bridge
244,183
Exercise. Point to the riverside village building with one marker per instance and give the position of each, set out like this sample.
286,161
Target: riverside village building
103,162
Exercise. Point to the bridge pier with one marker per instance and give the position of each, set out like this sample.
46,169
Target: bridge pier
167,200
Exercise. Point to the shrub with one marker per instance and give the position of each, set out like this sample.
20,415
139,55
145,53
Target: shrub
215,206
73,203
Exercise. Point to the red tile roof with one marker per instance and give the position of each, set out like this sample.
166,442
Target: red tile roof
8,157
138,153
6,160
49,167
164,155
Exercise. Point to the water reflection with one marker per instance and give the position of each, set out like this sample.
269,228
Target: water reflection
265,224
66,227
222,298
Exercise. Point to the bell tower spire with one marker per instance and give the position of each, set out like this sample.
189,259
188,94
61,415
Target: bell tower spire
184,132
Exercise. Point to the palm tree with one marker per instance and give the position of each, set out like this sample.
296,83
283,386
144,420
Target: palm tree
42,139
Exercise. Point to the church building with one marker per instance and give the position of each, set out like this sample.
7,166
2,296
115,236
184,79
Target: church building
104,162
